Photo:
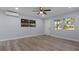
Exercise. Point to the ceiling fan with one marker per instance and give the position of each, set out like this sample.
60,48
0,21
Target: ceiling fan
41,11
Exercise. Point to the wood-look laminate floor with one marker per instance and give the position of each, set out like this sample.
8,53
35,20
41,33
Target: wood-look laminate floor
39,43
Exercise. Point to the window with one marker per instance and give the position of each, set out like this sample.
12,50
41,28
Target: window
69,24
28,23
57,24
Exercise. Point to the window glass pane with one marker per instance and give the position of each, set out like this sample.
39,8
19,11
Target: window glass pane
57,24
69,24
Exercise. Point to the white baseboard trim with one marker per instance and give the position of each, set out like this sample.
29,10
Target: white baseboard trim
20,37
77,40
38,35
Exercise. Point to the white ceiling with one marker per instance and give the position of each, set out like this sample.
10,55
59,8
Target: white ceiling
28,11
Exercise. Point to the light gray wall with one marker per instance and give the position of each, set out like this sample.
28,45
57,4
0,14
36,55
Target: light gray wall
72,35
10,27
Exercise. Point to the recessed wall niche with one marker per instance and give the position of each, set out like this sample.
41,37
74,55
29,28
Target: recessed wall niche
28,23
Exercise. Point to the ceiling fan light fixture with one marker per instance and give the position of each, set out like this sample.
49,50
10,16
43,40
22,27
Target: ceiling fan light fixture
41,12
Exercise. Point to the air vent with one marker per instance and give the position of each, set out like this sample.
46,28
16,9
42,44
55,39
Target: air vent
11,13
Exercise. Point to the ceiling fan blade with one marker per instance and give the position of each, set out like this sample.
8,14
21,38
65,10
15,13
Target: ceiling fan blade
45,13
47,10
